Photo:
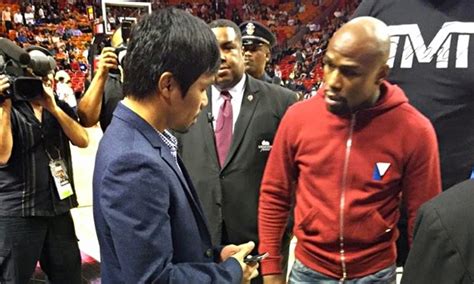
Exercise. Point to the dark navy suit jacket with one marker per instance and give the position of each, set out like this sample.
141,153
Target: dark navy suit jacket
443,243
148,218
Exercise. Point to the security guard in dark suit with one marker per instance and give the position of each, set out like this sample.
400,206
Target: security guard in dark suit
257,42
228,187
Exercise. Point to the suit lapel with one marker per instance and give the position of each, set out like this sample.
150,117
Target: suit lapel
184,180
130,117
192,192
170,160
207,128
189,190
247,110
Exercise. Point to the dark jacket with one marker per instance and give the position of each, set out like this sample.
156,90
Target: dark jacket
232,193
148,219
443,248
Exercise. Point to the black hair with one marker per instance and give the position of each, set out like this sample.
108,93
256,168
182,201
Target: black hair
168,40
223,23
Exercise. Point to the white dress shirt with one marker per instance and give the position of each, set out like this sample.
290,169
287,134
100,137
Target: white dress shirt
237,93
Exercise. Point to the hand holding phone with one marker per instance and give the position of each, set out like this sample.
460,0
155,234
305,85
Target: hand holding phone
256,258
249,270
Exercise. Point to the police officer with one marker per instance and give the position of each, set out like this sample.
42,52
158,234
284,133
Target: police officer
257,42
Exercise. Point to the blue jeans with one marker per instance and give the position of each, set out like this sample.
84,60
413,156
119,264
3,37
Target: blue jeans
301,274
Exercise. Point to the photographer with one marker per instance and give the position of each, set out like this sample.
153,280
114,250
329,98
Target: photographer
37,188
105,90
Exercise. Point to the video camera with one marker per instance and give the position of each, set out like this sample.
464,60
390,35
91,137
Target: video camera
17,64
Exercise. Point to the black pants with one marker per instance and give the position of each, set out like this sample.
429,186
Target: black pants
51,240
8,26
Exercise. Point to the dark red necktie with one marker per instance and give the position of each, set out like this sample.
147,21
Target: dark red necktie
224,127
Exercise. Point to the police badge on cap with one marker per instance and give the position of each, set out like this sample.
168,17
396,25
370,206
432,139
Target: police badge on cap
256,33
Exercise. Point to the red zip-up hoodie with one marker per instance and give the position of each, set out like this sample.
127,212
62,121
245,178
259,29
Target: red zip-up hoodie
349,175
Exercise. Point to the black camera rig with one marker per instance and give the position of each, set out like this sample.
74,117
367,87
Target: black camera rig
22,68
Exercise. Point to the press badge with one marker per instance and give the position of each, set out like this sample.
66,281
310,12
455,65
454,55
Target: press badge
61,179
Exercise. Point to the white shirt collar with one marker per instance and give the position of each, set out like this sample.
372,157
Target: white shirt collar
237,93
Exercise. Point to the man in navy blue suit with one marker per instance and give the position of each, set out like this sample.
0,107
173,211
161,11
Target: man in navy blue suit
148,218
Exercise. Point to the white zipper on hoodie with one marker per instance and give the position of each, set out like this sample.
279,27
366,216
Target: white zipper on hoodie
343,199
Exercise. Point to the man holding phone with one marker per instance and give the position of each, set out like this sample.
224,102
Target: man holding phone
149,220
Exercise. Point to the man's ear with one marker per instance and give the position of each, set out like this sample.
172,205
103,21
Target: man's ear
268,55
382,74
167,84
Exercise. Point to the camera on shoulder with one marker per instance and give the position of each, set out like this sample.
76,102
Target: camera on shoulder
18,64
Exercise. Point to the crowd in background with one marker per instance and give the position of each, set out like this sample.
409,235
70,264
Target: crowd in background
303,30
66,31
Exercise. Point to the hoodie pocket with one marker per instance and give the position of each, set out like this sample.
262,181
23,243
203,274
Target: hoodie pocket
308,219
369,229
317,227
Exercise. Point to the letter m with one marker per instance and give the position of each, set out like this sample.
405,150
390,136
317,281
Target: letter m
439,46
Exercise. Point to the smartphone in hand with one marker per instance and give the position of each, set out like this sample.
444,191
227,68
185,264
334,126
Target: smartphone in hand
255,258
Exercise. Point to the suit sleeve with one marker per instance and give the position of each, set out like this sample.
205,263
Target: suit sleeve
292,98
422,177
275,198
135,200
433,257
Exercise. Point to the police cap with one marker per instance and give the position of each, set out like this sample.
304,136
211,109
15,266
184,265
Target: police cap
254,33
